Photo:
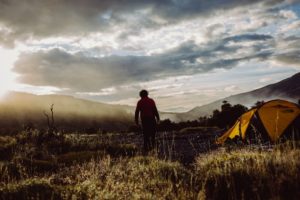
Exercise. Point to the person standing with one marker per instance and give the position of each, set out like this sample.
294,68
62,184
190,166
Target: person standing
146,110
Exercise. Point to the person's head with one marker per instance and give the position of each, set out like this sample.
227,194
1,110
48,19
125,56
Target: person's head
143,93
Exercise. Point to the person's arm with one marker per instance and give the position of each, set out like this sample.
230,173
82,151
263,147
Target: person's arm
156,112
136,116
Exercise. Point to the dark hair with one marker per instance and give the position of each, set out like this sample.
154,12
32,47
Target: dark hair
143,93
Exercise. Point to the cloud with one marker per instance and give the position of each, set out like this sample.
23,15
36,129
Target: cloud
29,19
288,51
231,88
292,57
288,14
295,25
82,73
265,80
102,92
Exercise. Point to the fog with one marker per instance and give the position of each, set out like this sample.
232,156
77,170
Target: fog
19,111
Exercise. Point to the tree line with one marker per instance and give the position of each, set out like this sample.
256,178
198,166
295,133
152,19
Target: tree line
222,118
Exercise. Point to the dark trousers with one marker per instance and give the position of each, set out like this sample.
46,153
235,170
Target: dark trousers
149,130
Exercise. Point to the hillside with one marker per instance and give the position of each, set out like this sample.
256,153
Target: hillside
288,89
19,110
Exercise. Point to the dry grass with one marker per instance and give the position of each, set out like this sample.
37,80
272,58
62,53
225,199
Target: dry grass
135,178
243,173
124,178
7,145
250,174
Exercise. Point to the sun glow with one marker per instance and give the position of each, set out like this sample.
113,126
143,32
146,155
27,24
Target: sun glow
7,77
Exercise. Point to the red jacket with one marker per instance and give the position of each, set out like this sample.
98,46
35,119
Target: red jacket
147,108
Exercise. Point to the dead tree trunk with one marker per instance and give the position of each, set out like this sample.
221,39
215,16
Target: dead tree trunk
50,123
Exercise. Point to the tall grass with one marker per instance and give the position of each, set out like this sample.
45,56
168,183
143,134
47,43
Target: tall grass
106,172
250,174
124,178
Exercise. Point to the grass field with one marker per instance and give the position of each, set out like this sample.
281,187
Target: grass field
78,167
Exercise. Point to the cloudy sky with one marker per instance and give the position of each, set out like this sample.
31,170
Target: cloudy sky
185,52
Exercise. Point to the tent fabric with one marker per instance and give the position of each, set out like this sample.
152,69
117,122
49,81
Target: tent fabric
239,128
275,115
232,130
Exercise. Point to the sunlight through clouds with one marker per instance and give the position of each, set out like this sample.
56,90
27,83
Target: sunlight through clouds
7,59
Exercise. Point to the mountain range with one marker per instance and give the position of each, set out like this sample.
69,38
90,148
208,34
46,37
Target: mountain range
18,109
288,89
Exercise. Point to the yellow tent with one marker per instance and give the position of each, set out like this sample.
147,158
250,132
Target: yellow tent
275,116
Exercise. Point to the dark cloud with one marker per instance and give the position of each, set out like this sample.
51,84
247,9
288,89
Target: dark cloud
292,57
288,50
177,10
6,40
31,18
248,37
41,19
80,72
291,42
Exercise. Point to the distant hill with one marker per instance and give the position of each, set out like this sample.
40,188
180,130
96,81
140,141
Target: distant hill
288,89
19,110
